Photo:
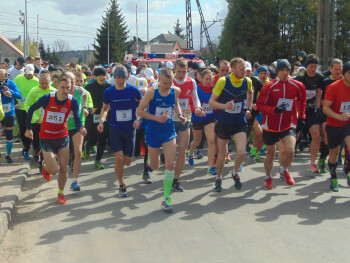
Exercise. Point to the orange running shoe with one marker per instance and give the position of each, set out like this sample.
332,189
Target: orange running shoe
313,168
227,158
45,174
61,199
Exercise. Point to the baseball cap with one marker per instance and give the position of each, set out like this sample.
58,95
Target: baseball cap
21,60
248,66
149,73
29,69
346,67
169,64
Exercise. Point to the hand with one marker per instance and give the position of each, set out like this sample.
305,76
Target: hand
143,91
85,112
183,119
248,114
7,92
280,109
199,112
300,125
229,105
83,131
344,117
136,124
29,134
254,107
100,127
163,118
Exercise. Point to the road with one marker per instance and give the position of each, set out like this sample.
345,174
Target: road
303,223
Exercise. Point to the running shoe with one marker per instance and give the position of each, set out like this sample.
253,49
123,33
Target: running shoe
241,168
85,154
36,158
347,176
177,186
340,160
122,191
227,158
146,177
61,199
322,165
199,154
281,174
166,205
263,150
99,165
23,153
268,183
75,187
313,168
334,185
8,159
252,152
212,171
257,158
289,179
218,187
237,180
190,159
93,149
26,156
248,148
45,174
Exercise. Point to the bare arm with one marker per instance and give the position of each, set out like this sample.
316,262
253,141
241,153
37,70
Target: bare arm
219,106
149,94
330,113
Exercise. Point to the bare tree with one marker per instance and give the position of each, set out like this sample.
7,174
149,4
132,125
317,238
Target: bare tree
61,47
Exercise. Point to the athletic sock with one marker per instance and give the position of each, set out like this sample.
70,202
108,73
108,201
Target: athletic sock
268,176
168,183
9,145
324,150
175,181
332,168
75,180
60,191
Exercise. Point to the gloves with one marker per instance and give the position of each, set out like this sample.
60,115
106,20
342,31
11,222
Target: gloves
280,109
300,125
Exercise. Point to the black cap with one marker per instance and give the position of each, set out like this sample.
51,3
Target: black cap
346,67
128,67
36,69
51,68
99,71
21,60
7,61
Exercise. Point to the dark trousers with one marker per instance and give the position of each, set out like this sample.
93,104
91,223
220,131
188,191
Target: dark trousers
94,137
21,116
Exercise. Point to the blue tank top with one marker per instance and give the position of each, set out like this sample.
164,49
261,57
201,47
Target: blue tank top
158,106
239,96
204,99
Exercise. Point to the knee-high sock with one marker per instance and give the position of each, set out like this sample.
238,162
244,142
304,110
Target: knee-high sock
9,141
168,182
332,169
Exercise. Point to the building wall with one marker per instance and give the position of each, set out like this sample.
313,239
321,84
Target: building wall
7,52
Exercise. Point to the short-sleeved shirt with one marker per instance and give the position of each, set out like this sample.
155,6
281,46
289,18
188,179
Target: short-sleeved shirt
25,85
237,83
123,105
339,94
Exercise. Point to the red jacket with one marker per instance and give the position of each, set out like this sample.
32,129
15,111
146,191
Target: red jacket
276,92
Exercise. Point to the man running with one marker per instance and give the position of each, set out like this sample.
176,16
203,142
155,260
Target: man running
232,97
336,106
53,134
280,118
161,100
123,100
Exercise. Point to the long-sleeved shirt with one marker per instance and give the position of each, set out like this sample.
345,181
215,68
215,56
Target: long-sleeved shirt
8,103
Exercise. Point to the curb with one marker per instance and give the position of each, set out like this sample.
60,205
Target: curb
10,199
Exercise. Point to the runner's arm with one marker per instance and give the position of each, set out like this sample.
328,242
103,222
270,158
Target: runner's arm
42,102
149,94
302,101
75,110
103,114
14,90
260,102
329,112
177,107
195,99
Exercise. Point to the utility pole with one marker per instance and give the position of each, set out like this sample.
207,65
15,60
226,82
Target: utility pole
147,31
22,21
216,20
137,34
108,41
26,22
37,35
189,35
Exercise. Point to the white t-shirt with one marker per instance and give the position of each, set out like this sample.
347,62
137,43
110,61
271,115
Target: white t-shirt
14,72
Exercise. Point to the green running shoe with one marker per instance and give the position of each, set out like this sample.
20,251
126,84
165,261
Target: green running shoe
85,154
334,185
322,165
99,165
347,176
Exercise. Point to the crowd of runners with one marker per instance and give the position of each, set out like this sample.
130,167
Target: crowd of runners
166,114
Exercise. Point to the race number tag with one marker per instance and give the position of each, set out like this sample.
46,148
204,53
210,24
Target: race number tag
237,108
288,103
96,118
183,104
345,107
22,101
163,111
55,117
124,115
206,108
6,107
310,94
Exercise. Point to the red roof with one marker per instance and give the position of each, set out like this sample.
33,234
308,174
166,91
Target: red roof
9,43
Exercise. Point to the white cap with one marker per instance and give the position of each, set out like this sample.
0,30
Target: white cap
169,64
133,69
149,73
248,66
142,74
29,69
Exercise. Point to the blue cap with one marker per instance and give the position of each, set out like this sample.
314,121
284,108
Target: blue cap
281,64
262,69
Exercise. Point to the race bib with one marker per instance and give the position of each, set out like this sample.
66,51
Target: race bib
345,107
96,118
22,101
288,103
163,111
310,94
183,104
206,108
55,117
237,108
6,107
124,115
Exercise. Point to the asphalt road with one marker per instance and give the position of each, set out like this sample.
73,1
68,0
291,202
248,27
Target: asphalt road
303,223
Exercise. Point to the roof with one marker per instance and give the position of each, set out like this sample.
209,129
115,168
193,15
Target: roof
9,43
162,47
170,38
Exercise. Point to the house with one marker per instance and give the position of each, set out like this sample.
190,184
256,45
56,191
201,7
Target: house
178,42
8,50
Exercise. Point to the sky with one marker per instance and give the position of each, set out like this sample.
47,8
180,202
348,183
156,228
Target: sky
76,21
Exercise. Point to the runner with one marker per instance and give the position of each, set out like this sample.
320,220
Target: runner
9,91
336,70
123,100
336,106
312,81
53,133
277,104
232,97
188,100
161,99
206,123
25,83
18,69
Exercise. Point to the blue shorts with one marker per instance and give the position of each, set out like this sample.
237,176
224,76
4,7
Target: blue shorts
259,118
155,140
53,145
122,140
